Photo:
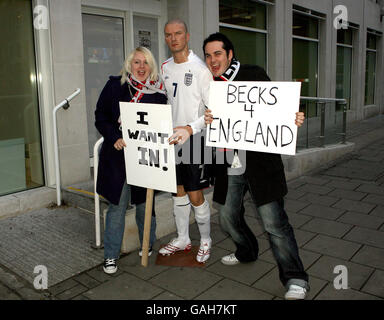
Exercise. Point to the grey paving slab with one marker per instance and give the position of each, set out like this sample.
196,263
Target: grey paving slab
294,194
375,284
295,205
271,284
327,227
352,205
132,264
232,290
314,188
371,188
228,245
296,183
378,211
123,287
375,199
302,237
344,185
353,173
86,280
7,294
361,220
186,283
297,220
317,180
72,293
246,273
325,266
330,293
347,194
332,246
366,236
325,212
307,257
98,274
62,286
319,199
167,296
370,256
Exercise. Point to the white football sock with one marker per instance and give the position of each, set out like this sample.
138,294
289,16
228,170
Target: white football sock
181,211
203,219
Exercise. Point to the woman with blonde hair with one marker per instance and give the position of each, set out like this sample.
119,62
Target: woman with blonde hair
138,82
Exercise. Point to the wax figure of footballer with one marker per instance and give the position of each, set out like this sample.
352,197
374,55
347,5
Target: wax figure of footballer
187,79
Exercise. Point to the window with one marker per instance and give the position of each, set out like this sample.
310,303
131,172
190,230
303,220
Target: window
21,165
305,30
103,56
370,69
146,34
245,24
344,65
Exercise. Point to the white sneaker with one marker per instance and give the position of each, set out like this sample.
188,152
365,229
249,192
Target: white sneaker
175,245
230,260
295,292
149,252
110,266
204,251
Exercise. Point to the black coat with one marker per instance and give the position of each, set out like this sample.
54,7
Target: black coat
111,173
264,171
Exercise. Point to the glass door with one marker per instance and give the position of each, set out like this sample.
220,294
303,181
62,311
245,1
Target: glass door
21,165
103,40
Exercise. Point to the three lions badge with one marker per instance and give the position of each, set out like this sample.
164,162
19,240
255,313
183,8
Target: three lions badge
188,79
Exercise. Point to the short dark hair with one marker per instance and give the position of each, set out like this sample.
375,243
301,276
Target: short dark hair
227,44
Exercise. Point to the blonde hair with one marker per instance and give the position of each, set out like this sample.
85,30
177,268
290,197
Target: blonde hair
153,76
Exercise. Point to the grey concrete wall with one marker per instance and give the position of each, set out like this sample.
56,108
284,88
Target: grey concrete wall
68,74
201,16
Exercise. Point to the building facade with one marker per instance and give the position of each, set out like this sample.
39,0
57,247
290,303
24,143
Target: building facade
52,47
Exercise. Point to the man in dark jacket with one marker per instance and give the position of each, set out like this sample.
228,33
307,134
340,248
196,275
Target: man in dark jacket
263,176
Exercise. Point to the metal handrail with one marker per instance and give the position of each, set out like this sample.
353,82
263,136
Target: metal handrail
322,102
97,198
65,105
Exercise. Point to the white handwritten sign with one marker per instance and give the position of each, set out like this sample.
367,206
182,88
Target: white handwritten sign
149,159
256,116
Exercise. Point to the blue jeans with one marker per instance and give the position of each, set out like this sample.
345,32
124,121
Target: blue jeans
115,224
275,222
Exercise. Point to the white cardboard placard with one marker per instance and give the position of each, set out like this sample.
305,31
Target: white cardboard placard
149,159
254,115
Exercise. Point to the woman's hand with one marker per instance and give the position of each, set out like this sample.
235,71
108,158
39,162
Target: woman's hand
208,117
119,144
299,118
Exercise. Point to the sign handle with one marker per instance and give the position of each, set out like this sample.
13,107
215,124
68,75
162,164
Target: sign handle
147,227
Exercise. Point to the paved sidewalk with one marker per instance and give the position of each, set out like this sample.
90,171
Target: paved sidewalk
338,216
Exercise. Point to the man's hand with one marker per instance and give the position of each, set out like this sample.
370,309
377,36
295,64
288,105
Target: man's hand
180,135
208,117
300,117
119,144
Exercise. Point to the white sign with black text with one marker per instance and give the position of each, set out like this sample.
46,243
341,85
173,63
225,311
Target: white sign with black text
149,159
254,115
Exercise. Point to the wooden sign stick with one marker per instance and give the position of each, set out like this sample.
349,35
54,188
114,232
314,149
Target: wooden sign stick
147,227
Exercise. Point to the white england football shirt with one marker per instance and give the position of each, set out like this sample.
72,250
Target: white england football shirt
187,86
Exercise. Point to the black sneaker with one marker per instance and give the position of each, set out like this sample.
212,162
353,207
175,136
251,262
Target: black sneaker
110,266
149,252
